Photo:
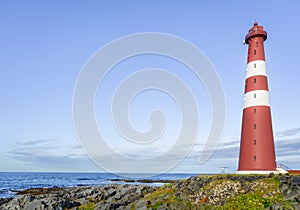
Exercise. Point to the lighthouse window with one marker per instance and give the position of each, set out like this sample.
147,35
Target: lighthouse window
254,141
254,52
254,95
254,80
255,65
254,158
254,110
256,44
254,126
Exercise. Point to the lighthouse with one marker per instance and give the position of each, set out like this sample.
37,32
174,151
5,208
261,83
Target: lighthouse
257,153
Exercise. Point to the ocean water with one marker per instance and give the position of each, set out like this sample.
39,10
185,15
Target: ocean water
12,182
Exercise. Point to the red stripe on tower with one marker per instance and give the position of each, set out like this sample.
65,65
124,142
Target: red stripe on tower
257,153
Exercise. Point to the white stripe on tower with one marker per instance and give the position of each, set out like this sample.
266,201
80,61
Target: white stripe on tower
256,98
255,68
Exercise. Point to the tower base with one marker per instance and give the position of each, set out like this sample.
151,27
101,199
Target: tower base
277,171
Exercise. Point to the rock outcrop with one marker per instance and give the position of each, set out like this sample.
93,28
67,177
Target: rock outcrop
100,197
198,192
290,187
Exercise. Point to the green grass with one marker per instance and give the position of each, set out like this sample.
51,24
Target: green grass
89,206
265,193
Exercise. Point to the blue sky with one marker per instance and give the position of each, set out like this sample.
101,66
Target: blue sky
46,44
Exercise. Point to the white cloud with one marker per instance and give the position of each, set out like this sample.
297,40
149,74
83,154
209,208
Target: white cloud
51,155
288,132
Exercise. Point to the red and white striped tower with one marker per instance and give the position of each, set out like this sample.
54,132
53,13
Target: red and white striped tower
257,153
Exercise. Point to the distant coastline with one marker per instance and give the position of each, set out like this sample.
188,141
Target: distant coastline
13,182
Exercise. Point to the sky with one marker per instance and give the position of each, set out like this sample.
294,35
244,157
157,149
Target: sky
46,46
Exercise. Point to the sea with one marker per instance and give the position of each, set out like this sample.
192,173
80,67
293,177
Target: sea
13,182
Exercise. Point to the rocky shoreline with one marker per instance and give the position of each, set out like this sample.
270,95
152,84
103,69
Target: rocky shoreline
197,192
